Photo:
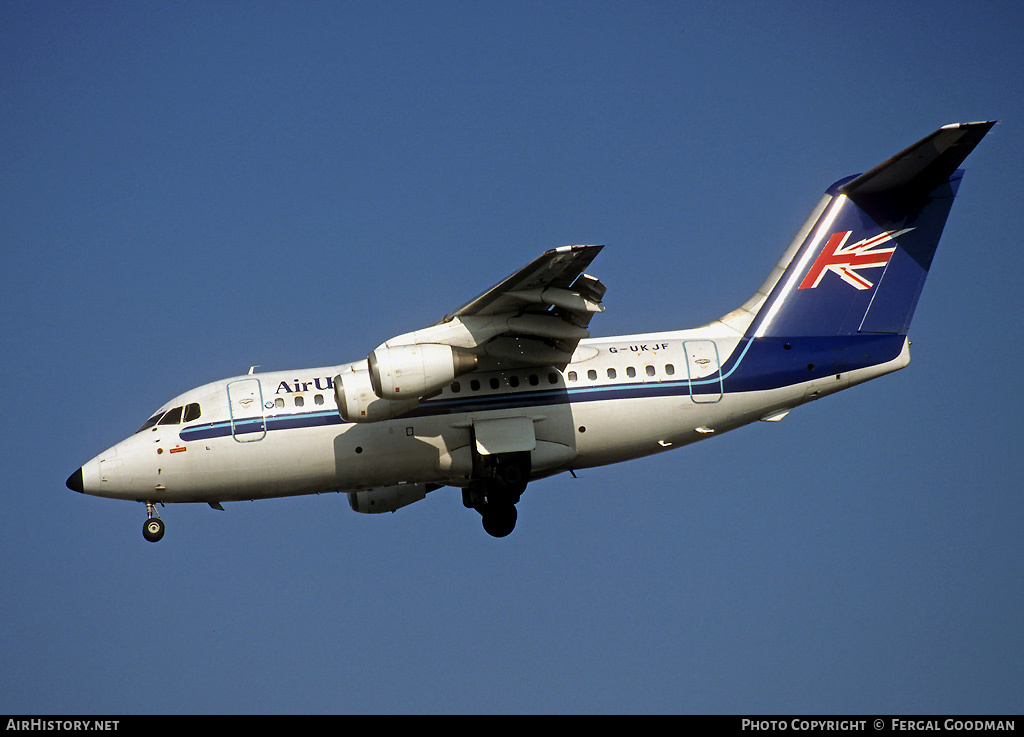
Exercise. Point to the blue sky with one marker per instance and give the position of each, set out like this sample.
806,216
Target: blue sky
191,189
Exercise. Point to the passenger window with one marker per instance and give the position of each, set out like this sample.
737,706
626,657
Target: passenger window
299,401
513,381
649,370
192,412
494,383
611,373
319,399
630,371
534,380
552,378
173,417
591,374
670,369
279,403
474,385
456,387
572,376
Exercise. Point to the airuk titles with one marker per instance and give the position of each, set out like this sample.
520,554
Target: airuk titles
319,384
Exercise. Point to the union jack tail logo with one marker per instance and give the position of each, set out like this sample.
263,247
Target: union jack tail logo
847,261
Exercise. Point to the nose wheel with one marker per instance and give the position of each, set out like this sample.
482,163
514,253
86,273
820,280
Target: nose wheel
153,529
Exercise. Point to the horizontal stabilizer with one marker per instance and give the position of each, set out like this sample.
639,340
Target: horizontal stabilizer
859,263
922,167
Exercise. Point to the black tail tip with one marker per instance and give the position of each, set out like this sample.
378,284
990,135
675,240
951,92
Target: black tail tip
74,482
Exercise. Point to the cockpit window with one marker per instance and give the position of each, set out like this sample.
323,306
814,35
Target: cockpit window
173,417
150,422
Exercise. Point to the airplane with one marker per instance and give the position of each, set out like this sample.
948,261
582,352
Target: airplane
510,387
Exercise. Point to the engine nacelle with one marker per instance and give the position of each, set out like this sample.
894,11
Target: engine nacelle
386,499
416,370
357,402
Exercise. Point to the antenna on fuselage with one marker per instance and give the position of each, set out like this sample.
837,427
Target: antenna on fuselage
252,369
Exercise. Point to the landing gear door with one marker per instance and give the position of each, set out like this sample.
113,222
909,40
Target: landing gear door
704,371
245,405
507,435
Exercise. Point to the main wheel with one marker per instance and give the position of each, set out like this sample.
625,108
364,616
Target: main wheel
153,530
500,519
513,473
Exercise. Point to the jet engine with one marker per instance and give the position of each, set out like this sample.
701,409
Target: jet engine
416,370
357,402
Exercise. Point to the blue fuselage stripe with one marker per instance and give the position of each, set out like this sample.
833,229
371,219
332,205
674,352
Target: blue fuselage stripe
761,364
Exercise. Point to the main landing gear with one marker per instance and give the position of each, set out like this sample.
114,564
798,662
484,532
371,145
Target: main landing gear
495,497
153,529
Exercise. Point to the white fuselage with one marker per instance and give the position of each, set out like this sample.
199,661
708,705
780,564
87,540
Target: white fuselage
431,408
280,434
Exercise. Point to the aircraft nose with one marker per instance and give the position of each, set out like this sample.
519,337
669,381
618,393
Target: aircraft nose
75,482
86,480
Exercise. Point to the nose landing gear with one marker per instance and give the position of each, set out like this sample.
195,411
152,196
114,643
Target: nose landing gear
153,529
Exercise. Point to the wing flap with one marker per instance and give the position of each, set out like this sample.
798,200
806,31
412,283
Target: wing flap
557,268
534,317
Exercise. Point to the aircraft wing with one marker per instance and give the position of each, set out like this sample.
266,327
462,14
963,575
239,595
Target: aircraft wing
534,317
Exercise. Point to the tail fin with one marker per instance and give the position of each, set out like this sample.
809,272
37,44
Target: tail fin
859,264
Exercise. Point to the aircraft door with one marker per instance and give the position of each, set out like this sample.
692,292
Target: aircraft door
703,370
245,406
